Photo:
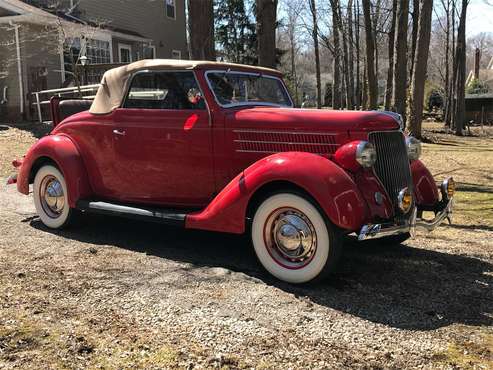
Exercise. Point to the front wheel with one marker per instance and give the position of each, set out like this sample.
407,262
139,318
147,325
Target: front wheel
293,240
50,197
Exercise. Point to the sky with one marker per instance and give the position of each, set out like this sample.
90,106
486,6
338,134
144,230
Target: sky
479,17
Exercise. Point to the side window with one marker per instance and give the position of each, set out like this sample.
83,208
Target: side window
164,90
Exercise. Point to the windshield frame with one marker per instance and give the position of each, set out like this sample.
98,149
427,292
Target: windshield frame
239,104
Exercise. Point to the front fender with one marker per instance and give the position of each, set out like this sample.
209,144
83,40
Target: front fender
425,189
61,150
328,184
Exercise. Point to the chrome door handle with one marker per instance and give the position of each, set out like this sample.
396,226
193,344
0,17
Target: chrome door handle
119,132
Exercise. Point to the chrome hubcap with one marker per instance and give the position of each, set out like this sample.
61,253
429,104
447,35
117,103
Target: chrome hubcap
290,238
52,196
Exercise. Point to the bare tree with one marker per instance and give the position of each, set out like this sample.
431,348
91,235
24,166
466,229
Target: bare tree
460,78
336,64
420,67
201,29
293,9
390,71
414,34
313,11
370,57
266,32
400,64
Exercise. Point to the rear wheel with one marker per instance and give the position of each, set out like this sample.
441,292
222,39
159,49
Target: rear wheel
293,240
50,197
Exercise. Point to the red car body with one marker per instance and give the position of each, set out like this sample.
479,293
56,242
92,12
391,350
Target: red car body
212,165
196,160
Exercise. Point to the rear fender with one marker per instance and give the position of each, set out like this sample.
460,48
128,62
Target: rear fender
425,189
330,186
60,150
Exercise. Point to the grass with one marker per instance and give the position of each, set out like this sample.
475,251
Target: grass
473,353
469,160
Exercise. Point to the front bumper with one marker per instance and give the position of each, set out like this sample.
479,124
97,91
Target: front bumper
374,231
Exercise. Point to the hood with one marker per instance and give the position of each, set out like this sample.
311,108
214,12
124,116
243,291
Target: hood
316,119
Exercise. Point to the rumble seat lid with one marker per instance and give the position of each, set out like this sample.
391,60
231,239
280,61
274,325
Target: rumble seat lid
114,82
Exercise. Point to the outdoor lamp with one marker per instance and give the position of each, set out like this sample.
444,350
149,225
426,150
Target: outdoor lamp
83,60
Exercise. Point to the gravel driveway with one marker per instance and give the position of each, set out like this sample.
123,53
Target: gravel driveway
113,293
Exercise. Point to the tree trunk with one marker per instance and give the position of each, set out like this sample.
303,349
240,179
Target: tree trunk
414,34
266,32
390,72
201,28
378,7
420,67
400,64
460,107
313,10
447,84
370,57
336,9
358,56
336,63
351,53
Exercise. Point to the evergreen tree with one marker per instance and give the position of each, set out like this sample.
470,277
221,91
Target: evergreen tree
235,31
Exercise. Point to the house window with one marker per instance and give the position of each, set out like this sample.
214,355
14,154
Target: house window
125,53
170,9
176,54
98,52
149,52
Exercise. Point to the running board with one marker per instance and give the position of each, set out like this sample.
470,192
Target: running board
165,216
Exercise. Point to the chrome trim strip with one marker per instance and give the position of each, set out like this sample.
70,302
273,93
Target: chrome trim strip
269,152
285,132
282,142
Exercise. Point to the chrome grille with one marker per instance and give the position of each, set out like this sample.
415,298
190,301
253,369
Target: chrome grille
392,166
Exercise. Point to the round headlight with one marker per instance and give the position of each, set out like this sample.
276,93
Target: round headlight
448,188
405,200
413,148
366,155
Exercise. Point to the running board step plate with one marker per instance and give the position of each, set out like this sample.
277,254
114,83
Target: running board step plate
166,216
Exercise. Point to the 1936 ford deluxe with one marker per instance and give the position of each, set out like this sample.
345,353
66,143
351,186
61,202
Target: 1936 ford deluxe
218,146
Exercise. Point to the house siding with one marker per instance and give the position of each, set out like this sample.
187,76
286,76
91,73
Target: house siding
146,17
39,52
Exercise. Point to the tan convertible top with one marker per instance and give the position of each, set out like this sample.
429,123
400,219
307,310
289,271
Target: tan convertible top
114,82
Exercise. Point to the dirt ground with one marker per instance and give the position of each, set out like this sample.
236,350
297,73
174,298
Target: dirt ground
117,294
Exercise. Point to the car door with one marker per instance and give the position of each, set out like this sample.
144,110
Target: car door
162,141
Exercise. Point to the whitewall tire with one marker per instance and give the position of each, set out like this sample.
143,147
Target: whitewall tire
292,239
51,197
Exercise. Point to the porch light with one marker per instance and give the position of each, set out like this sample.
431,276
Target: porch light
83,60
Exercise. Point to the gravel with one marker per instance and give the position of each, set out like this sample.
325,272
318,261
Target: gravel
115,293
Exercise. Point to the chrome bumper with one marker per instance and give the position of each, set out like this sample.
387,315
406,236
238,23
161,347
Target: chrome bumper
374,231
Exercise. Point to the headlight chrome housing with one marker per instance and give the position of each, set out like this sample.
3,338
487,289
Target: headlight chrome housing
366,155
413,148
448,188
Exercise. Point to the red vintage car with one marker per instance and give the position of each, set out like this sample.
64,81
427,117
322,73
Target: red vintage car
218,146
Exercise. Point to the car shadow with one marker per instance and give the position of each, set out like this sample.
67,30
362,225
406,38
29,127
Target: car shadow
404,287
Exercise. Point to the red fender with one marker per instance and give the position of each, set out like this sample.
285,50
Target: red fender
61,150
425,189
328,184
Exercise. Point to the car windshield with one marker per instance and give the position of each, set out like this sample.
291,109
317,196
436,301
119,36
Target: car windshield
236,88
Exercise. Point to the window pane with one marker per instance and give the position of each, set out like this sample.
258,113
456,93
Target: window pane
164,90
235,88
170,8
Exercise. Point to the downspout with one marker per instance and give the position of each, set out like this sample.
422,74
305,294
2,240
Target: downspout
19,65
